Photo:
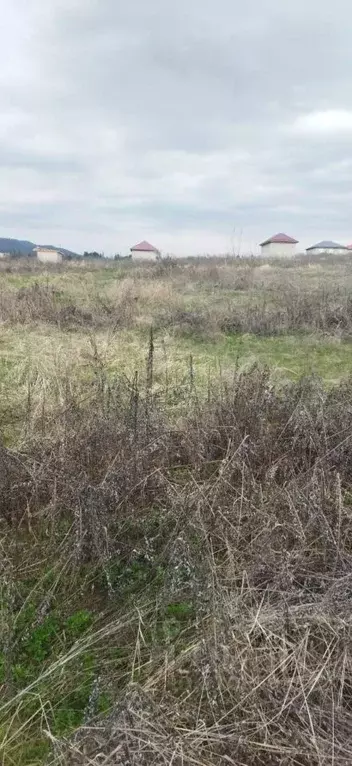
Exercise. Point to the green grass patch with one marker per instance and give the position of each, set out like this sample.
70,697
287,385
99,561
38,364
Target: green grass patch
39,364
288,357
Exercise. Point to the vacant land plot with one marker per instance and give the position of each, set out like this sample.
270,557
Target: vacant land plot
176,524
59,327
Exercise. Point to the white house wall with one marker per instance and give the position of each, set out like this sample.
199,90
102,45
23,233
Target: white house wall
144,255
49,256
328,251
278,250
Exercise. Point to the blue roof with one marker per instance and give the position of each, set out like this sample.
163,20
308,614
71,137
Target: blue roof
328,245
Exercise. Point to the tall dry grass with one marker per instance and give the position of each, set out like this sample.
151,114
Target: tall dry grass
234,636
204,297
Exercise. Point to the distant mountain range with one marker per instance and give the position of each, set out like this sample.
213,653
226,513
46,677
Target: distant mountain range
22,247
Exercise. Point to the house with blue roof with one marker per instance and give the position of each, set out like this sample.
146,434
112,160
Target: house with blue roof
327,247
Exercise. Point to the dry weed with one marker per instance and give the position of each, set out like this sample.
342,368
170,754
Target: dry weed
244,656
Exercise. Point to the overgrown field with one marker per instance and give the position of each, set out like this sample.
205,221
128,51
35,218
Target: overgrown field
176,514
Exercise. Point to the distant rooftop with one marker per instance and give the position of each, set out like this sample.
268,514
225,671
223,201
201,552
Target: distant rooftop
145,247
327,244
281,238
43,249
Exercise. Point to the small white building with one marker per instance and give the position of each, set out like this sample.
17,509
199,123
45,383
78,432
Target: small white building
279,246
326,247
144,251
48,255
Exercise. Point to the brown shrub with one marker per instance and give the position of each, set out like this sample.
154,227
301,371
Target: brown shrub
290,311
245,506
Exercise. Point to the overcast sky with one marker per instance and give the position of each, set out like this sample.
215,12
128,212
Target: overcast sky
200,125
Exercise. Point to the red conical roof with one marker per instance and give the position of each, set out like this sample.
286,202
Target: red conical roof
282,239
145,247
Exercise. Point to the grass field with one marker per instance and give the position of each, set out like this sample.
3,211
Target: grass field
225,315
175,527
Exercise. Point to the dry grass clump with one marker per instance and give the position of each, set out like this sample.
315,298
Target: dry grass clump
228,534
31,265
287,310
25,265
229,274
42,302
201,297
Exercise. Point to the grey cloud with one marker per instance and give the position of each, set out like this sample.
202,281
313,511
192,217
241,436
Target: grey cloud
12,159
137,111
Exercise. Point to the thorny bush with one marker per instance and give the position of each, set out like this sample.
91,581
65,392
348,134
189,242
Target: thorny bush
240,515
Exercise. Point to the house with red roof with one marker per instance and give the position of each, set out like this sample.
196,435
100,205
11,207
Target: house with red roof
279,246
144,251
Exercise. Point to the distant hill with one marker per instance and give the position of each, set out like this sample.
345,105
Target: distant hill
22,247
16,246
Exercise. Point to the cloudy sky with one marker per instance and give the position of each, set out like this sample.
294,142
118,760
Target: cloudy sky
200,125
